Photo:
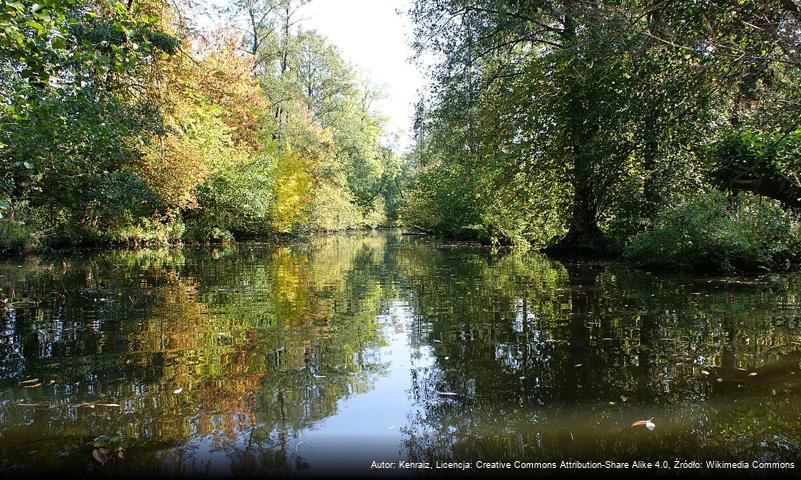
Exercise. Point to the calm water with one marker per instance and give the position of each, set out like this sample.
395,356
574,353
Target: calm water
343,350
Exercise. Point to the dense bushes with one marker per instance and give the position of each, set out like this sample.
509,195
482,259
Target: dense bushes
706,232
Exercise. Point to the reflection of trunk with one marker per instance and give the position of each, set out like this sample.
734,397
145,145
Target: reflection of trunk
732,378
648,332
728,359
582,300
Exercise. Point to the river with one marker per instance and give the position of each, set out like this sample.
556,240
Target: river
340,351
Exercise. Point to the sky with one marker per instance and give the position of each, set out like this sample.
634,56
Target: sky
374,37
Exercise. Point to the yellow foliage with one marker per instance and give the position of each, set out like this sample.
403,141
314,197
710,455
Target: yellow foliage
173,167
212,110
293,183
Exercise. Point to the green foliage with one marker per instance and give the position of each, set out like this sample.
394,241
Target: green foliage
70,122
766,164
702,232
573,125
149,231
16,237
120,125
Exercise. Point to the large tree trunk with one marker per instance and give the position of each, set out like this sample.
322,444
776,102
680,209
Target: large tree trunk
583,238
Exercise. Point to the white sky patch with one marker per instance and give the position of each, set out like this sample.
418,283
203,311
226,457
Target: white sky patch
374,35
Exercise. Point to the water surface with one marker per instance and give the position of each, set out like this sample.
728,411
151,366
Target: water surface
333,353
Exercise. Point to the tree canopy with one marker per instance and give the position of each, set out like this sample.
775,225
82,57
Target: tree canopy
123,123
574,125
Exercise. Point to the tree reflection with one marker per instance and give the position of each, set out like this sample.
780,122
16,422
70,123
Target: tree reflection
552,361
263,342
512,356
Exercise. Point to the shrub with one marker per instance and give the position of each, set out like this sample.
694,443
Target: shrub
150,232
16,237
703,232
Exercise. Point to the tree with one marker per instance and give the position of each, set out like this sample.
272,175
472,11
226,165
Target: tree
580,118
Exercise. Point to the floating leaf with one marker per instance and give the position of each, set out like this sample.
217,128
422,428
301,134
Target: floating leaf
578,365
447,394
178,390
720,380
649,424
753,374
705,372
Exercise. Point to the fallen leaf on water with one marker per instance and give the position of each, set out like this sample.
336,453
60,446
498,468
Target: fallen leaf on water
26,382
705,372
720,380
101,455
578,365
645,423
447,394
753,374
178,390
611,403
